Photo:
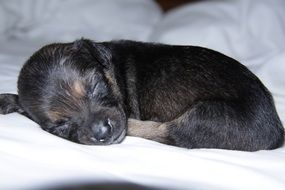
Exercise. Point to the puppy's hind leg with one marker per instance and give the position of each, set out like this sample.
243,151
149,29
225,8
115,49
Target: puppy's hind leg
215,124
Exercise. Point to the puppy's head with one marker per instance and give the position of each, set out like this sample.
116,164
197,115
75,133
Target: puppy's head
71,91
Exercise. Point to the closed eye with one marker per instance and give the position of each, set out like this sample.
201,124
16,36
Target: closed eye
92,91
99,89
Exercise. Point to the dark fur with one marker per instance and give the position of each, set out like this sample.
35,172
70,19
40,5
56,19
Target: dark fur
195,97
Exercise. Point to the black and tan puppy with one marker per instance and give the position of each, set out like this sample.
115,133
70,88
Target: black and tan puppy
185,96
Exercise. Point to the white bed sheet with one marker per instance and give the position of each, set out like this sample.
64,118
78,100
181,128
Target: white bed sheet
31,158
53,20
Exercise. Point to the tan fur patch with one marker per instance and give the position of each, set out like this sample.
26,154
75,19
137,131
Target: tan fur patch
78,89
111,79
147,129
54,115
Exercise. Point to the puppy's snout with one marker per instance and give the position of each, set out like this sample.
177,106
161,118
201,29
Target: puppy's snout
102,131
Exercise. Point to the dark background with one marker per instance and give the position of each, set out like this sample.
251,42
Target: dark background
169,4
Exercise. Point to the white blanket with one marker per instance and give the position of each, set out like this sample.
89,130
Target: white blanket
31,158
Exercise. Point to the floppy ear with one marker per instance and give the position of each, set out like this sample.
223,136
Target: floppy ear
103,53
98,51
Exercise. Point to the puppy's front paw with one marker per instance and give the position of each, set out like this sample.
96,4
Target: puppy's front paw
8,103
140,128
147,129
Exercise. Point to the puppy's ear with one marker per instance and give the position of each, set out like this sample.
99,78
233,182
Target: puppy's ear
98,51
102,53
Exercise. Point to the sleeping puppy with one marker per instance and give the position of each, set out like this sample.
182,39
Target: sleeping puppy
185,96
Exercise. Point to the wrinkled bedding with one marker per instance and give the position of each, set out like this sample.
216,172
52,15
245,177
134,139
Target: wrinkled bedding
250,31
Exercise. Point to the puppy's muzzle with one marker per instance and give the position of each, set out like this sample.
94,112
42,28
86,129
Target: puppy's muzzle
102,131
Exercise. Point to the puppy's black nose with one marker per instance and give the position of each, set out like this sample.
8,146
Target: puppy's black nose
102,131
